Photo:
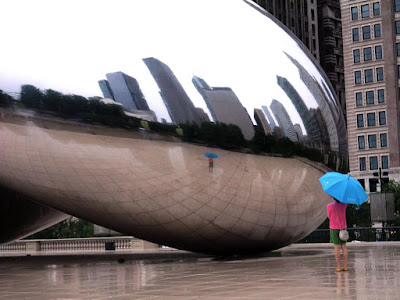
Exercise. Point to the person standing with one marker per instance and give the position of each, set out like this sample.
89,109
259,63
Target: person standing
210,164
337,220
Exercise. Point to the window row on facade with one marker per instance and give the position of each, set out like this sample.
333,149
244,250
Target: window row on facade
374,162
368,75
368,54
370,96
373,141
364,11
369,119
366,32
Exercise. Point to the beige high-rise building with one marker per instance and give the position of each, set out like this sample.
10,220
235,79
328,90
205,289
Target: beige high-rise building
371,43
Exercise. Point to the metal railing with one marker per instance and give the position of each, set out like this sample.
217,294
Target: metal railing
362,234
79,244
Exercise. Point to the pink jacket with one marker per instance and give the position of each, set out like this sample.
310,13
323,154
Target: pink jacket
333,217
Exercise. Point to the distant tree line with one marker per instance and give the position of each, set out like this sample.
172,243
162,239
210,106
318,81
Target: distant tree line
70,228
5,99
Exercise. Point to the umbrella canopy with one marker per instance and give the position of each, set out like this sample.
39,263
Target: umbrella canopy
213,155
344,188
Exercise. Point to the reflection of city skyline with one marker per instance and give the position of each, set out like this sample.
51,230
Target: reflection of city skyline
223,104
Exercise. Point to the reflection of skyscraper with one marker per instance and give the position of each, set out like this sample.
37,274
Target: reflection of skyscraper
307,117
270,118
330,110
299,132
225,106
126,91
284,121
202,114
178,103
106,89
261,121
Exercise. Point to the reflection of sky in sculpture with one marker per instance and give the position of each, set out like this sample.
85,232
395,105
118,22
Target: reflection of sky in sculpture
69,45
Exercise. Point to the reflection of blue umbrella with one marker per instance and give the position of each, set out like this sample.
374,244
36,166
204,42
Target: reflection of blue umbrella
343,187
213,155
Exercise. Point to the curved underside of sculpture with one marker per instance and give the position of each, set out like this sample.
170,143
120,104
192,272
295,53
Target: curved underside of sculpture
159,189
20,216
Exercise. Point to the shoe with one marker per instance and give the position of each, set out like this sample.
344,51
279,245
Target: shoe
345,269
338,269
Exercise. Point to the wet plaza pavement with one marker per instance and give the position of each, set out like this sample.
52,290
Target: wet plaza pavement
300,271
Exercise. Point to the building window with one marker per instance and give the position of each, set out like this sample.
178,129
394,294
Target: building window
385,162
376,9
368,76
312,15
357,77
377,30
383,138
365,11
372,141
379,74
398,49
367,53
360,120
398,71
359,99
366,31
396,5
370,97
361,142
382,118
378,52
381,96
371,119
373,163
356,36
354,13
397,27
356,55
372,184
362,164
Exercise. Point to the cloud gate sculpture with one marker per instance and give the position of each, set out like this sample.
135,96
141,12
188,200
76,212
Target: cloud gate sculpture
108,111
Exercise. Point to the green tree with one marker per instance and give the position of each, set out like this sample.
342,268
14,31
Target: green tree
394,187
71,105
70,228
52,100
5,99
359,217
31,96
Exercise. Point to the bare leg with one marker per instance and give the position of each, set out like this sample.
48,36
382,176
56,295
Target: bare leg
345,256
337,255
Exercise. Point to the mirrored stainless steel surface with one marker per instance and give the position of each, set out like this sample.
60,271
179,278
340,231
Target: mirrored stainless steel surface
182,79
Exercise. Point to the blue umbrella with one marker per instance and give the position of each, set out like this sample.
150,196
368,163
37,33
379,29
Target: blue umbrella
344,188
213,155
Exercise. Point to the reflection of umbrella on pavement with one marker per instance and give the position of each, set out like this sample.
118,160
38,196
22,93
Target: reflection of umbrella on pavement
213,155
343,187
